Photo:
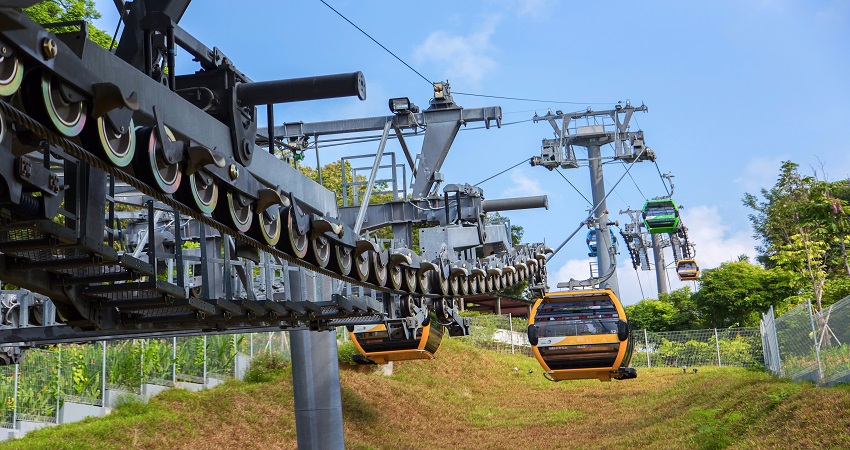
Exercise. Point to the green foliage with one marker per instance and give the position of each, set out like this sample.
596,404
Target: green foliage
652,315
125,364
802,224
332,180
735,294
671,312
7,394
38,386
53,11
81,370
266,367
221,353
157,356
346,352
714,430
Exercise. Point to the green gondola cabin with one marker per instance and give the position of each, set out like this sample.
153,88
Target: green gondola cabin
661,216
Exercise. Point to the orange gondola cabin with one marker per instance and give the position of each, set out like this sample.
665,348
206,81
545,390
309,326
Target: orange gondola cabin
581,335
381,345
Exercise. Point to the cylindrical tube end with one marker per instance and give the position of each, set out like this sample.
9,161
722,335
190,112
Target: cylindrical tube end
302,89
509,204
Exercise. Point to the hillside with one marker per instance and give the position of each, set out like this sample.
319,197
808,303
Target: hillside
470,398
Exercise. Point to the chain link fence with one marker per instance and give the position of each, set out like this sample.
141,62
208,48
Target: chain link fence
804,344
732,347
728,347
504,334
49,380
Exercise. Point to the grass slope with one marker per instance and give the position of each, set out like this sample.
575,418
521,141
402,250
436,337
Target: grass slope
470,398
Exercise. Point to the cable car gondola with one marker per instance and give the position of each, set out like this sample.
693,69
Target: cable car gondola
581,335
661,216
687,269
380,345
592,245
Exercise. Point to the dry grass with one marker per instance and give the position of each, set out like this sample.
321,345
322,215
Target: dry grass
469,398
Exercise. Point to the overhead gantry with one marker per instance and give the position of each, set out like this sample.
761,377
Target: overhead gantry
113,166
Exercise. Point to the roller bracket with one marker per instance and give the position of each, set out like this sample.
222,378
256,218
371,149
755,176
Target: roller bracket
171,150
364,245
321,225
266,198
302,222
400,258
198,156
108,97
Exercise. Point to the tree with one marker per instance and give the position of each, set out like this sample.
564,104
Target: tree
735,293
801,223
652,315
670,312
53,11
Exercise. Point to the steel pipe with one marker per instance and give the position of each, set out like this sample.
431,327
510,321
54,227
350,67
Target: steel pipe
510,204
302,89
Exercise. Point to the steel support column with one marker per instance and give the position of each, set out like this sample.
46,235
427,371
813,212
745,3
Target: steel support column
315,382
660,265
603,239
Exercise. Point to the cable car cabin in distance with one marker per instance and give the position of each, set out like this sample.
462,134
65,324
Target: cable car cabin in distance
379,345
581,335
592,244
687,269
661,216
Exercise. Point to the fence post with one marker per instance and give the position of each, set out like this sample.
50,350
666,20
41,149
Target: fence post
235,352
646,343
815,342
59,379
103,374
205,360
717,344
142,363
174,359
511,322
15,395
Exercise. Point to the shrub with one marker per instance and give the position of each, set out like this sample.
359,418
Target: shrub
265,367
346,352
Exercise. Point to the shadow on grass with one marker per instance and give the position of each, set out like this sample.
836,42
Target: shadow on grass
355,408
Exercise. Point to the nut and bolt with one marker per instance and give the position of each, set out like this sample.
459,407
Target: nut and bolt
234,171
48,48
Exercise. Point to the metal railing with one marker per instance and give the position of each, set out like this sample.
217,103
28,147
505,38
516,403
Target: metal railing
49,378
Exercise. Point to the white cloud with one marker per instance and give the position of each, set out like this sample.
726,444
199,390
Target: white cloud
523,186
464,60
578,269
714,241
760,172
535,9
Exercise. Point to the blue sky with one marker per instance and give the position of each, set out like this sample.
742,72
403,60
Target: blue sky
733,88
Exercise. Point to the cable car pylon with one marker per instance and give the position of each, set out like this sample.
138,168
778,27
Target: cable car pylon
608,127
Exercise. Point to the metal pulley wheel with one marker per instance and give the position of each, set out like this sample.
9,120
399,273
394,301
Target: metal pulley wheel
293,242
59,106
237,213
150,164
11,75
341,259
